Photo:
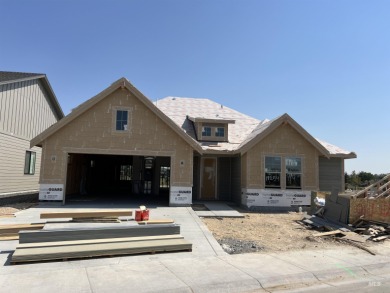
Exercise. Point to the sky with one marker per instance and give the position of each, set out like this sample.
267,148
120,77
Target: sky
325,63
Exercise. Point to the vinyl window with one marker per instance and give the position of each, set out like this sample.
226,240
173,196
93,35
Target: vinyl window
206,131
29,163
121,120
293,172
273,169
220,132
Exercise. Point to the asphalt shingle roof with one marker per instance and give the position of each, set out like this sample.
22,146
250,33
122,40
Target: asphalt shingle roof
7,76
179,108
244,129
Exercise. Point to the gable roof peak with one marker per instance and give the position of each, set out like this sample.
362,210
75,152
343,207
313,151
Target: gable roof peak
121,83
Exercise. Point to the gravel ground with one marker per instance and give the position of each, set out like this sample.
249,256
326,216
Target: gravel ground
265,232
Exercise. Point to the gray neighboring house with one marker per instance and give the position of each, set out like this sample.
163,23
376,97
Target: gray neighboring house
28,106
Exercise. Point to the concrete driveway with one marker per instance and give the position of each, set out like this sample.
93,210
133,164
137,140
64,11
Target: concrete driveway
206,269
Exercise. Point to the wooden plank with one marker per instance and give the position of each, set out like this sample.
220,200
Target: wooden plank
354,237
93,250
97,233
15,228
10,237
380,238
153,222
97,241
87,214
330,233
19,226
96,220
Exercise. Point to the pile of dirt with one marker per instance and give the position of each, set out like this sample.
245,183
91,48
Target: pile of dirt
265,232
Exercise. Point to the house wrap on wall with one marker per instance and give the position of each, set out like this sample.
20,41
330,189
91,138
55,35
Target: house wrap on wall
28,106
121,144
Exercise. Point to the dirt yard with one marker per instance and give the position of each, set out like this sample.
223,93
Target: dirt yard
265,232
9,209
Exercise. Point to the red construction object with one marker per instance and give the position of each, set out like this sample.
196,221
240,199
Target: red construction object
145,215
138,215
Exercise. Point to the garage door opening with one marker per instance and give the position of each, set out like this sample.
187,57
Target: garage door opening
117,178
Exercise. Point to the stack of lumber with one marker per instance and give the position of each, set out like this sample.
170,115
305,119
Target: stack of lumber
10,232
80,243
110,216
97,233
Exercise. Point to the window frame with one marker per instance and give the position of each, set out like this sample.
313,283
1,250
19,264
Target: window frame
115,110
29,162
268,173
217,132
206,131
293,173
121,120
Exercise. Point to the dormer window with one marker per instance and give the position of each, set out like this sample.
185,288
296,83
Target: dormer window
211,129
220,132
206,131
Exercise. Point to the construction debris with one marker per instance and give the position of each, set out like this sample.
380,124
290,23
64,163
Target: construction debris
374,230
372,202
355,234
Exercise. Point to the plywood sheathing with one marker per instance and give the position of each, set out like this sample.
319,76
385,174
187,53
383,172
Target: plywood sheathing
375,209
93,132
283,141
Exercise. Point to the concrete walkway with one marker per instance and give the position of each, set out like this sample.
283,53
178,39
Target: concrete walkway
206,269
217,209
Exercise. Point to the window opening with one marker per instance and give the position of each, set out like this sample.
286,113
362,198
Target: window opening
125,172
121,119
165,175
206,131
220,132
29,163
293,172
273,170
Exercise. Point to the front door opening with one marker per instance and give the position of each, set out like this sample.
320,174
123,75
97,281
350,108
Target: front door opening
209,178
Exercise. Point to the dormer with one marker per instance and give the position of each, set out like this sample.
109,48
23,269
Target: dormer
211,129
